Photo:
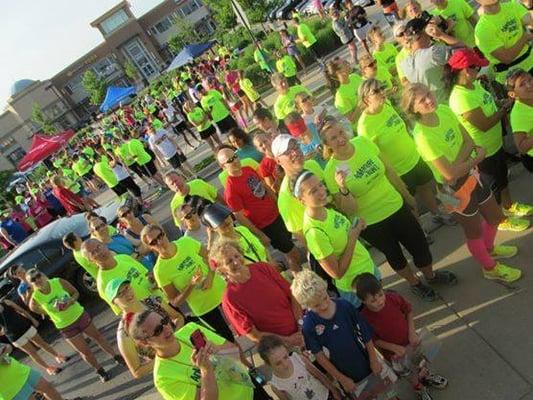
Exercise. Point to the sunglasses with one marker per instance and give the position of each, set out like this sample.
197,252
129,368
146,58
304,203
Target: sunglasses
159,328
34,277
189,215
231,159
154,241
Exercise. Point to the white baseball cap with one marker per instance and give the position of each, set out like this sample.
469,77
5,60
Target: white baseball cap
280,144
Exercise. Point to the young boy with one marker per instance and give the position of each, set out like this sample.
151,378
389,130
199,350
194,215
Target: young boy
391,318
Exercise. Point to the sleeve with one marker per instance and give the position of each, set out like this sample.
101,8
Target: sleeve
461,103
518,9
519,124
424,146
486,38
238,318
440,54
310,337
169,388
329,179
467,9
232,197
318,243
135,147
209,190
370,146
365,328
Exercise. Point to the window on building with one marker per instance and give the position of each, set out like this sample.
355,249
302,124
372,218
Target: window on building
16,155
105,67
190,6
164,25
7,142
113,22
74,84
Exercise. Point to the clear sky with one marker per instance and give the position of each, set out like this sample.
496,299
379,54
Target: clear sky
41,37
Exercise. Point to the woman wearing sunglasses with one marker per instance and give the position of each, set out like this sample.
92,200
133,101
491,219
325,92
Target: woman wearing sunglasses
139,358
181,271
133,226
58,300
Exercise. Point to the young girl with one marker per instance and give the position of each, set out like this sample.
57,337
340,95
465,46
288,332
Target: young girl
370,69
294,377
308,139
384,52
360,25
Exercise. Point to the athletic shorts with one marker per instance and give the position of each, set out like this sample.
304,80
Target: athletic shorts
494,171
208,132
149,169
25,338
480,195
119,189
89,175
29,387
77,327
527,160
175,161
280,237
226,124
129,185
360,33
418,176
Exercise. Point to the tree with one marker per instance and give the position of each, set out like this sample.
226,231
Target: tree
130,70
46,125
95,86
256,10
185,34
222,13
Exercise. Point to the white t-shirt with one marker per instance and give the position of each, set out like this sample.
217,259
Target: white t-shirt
301,385
170,111
120,172
162,142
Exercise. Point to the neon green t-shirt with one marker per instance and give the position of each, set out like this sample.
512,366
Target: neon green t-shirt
245,162
103,170
376,198
92,269
71,179
14,377
290,208
503,29
402,55
197,187
254,250
386,55
286,66
138,152
89,152
176,378
123,152
195,116
346,97
248,88
384,76
82,166
61,319
522,120
260,57
285,104
443,140
330,236
459,11
463,100
305,35
212,102
179,270
129,268
389,132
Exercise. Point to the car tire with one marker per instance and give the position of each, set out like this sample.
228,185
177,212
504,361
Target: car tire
86,284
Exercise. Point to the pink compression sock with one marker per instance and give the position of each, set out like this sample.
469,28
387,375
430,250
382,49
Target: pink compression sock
489,234
480,253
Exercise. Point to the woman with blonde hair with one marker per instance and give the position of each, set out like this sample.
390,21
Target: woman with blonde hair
451,154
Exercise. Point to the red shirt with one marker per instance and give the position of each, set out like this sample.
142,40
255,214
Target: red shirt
390,323
263,302
40,213
67,199
268,168
247,193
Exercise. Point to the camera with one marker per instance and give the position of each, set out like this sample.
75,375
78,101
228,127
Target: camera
441,23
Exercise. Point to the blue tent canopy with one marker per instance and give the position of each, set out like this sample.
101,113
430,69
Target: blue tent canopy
114,95
189,53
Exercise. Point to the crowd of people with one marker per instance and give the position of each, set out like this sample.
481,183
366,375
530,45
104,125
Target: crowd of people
279,255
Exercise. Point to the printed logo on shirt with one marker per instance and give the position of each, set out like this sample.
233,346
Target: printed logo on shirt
256,186
186,264
367,169
449,136
338,221
510,27
319,329
392,121
132,274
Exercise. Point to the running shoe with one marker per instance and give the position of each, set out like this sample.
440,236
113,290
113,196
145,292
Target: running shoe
103,374
443,277
443,219
400,369
513,224
423,394
519,210
424,292
435,381
503,251
503,273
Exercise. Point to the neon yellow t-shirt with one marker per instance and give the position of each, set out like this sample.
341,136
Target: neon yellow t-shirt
248,88
384,76
285,104
346,98
386,55
290,208
14,377
330,236
92,269
286,66
305,35
389,132
402,55
443,140
82,166
197,187
138,152
212,102
195,116
103,170
245,162
179,270
71,180
129,268
176,378
463,100
123,152
254,250
522,120
503,29
459,11
376,198
61,319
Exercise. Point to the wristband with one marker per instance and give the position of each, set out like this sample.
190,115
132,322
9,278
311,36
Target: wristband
346,193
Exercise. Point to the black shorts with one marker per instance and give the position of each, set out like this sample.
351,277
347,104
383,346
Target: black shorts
149,169
494,172
479,196
241,94
528,162
226,124
119,189
129,185
280,237
399,229
175,160
208,132
418,176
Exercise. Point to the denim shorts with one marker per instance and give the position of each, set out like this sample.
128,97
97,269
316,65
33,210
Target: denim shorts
29,387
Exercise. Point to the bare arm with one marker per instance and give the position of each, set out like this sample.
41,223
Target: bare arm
7,237
482,122
20,310
507,56
243,220
318,374
36,308
129,352
347,383
176,297
74,294
523,142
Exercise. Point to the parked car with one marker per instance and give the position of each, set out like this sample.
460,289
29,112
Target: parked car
45,251
284,12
